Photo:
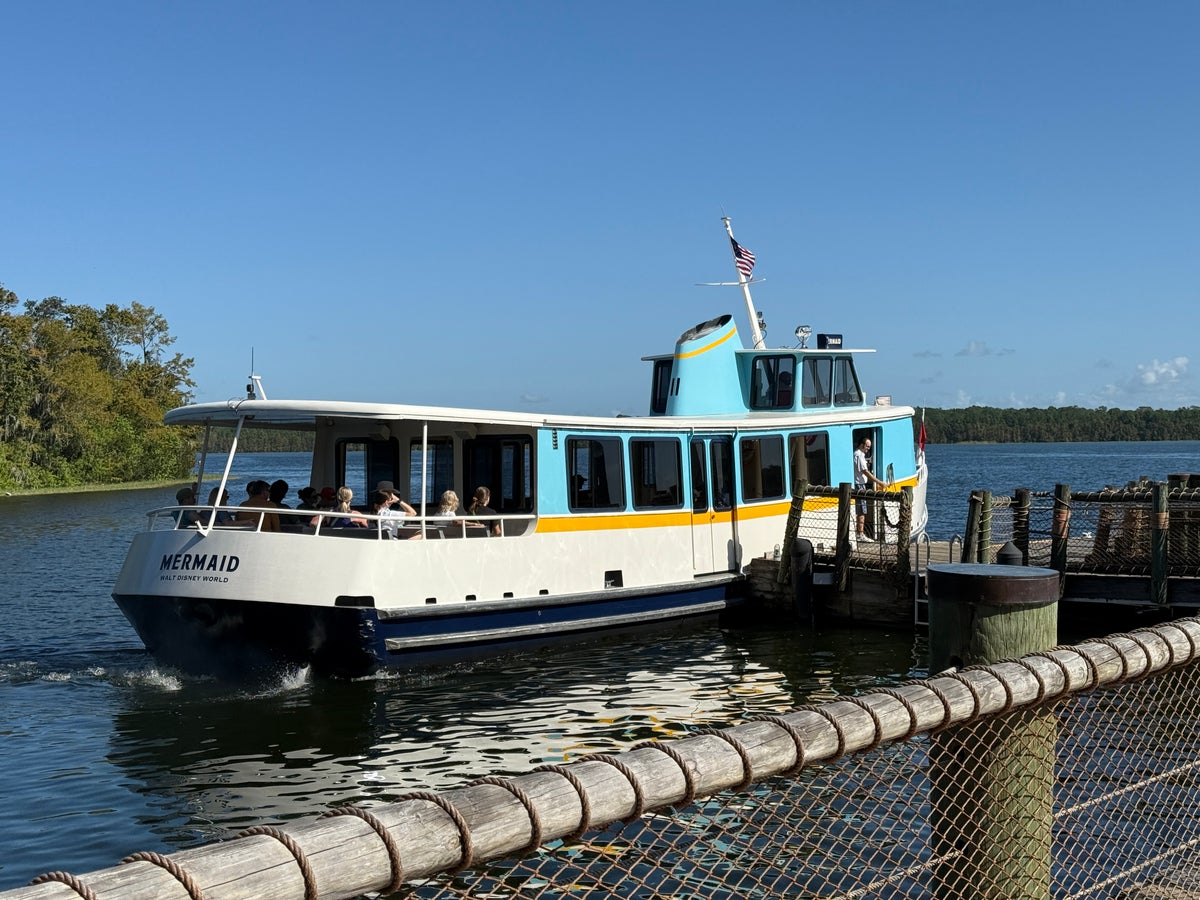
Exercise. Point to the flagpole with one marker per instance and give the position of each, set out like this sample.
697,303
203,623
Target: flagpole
745,283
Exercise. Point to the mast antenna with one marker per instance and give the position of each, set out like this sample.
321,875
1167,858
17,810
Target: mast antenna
255,387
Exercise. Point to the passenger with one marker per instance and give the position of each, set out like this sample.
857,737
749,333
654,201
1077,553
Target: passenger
448,507
187,518
326,499
381,505
224,516
345,516
863,477
308,499
260,498
279,490
479,507
390,489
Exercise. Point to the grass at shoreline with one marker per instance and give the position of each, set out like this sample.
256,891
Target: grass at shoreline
94,488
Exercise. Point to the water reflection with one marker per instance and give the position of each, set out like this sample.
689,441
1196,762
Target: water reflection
211,762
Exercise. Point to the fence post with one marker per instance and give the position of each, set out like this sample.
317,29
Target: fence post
992,780
789,530
1021,523
904,565
1160,526
841,559
1060,528
985,528
971,538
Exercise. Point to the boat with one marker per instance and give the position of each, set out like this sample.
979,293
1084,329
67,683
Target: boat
598,523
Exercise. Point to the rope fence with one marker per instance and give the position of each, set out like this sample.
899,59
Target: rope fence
883,794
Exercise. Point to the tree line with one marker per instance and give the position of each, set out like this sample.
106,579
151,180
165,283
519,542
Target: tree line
996,425
83,392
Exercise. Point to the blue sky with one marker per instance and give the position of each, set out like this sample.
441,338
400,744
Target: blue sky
509,204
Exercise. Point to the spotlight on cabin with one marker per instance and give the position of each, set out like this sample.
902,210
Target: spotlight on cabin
802,334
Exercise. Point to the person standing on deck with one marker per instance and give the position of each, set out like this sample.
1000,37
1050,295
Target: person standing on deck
863,478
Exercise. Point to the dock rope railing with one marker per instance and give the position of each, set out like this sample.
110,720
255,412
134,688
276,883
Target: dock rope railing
874,795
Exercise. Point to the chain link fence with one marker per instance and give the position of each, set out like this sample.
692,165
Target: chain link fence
1125,531
1099,788
1069,773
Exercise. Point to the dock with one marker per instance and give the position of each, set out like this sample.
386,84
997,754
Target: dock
1131,550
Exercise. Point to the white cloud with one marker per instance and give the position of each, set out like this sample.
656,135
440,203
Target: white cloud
1155,374
974,348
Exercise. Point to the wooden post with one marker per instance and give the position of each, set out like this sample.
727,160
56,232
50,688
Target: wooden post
841,559
985,528
1098,555
970,547
1160,525
789,530
1060,528
1021,523
903,527
992,781
1177,542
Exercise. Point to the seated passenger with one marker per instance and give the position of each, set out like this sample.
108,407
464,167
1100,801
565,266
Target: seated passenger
388,488
260,498
224,516
308,496
187,518
448,507
279,490
480,507
381,505
346,516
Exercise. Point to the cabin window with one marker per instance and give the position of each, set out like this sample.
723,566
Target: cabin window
657,473
809,456
660,388
762,468
817,378
360,463
772,382
721,455
439,473
699,478
504,465
845,383
595,474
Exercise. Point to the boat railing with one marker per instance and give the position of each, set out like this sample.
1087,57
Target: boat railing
320,522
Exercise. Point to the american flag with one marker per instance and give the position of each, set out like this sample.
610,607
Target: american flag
743,258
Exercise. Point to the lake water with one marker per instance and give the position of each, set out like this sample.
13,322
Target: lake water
103,754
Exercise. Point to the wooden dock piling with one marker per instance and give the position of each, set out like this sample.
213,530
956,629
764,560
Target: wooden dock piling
992,819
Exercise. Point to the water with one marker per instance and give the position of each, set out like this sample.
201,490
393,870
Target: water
103,754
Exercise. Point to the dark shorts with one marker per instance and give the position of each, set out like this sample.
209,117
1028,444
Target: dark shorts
861,505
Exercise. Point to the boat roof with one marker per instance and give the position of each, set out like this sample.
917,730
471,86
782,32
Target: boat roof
305,414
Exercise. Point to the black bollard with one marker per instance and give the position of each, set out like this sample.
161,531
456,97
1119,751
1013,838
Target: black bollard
1010,555
802,579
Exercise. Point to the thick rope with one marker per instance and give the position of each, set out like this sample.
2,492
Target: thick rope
585,805
797,740
837,727
747,765
914,721
165,862
639,798
689,780
467,856
306,872
71,881
535,822
875,721
389,843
